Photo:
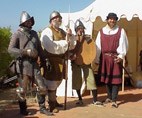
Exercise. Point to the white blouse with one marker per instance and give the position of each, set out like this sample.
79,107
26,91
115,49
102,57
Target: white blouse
55,47
123,41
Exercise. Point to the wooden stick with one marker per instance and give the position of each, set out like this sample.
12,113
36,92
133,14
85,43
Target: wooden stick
123,76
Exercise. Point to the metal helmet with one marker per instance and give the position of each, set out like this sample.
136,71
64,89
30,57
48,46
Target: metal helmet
77,24
55,14
25,17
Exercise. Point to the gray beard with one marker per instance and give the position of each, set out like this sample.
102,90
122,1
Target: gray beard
26,29
56,24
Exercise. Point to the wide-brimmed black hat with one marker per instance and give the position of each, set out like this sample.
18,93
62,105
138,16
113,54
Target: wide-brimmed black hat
112,15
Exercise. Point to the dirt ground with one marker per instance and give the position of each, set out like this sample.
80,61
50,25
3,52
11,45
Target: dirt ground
130,106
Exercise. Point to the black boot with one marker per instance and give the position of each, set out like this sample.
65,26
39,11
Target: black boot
94,93
52,106
43,110
52,101
23,108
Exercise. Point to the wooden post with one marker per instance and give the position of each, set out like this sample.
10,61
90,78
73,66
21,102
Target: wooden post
66,82
66,62
123,76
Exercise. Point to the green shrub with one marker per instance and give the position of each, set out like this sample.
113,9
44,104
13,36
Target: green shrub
5,58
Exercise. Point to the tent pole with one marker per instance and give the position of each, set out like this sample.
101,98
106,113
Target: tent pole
137,42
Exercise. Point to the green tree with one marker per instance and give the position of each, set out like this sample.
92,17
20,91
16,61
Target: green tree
5,58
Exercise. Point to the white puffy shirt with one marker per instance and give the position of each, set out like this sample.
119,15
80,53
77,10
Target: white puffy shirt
55,47
123,41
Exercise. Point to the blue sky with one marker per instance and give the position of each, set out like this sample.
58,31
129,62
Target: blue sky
10,10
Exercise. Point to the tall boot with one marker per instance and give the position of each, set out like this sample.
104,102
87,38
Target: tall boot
80,102
52,101
94,93
23,108
79,94
52,107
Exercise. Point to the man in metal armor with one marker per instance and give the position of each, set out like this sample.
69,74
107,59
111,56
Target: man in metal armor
82,56
26,47
55,43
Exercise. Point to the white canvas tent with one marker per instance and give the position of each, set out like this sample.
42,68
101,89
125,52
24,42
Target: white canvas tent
129,13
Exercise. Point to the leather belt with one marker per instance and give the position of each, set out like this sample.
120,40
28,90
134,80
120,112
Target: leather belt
111,54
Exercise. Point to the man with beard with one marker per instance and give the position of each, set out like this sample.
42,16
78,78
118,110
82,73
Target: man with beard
26,47
55,42
112,46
